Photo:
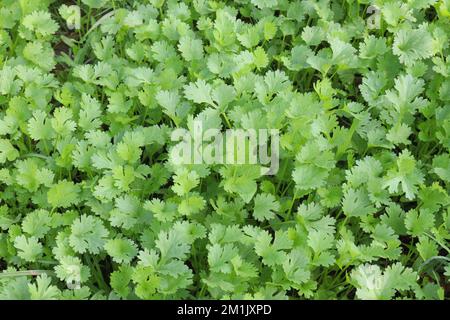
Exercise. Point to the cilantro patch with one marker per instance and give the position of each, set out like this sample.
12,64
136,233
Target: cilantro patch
92,205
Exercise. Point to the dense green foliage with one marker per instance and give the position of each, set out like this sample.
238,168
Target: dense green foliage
91,207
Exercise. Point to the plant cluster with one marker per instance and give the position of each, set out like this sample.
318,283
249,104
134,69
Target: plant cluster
91,207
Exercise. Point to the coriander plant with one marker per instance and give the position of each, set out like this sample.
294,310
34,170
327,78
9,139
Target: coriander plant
96,204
